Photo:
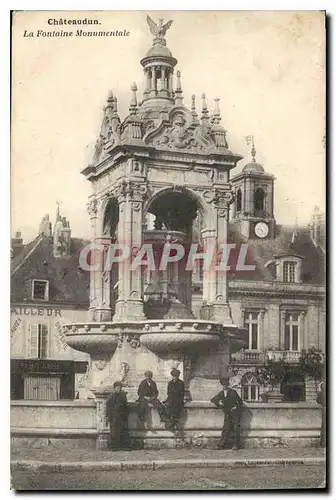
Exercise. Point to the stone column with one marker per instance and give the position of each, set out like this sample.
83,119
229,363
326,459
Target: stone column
100,303
101,419
129,306
153,87
215,234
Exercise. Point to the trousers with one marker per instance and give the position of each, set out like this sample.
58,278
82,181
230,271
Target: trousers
231,426
143,408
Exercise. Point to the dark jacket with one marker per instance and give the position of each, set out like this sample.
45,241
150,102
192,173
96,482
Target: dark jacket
116,406
175,393
227,403
321,397
147,388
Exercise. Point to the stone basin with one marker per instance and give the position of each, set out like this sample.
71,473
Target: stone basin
159,335
182,335
93,338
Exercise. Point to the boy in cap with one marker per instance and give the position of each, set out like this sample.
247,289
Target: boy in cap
230,401
175,399
117,414
148,393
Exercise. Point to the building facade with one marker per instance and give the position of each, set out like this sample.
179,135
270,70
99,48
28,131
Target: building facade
47,290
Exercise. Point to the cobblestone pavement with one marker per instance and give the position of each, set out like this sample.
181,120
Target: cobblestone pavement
269,477
59,454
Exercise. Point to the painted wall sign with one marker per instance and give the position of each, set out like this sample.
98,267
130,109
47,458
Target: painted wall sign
36,311
47,365
15,326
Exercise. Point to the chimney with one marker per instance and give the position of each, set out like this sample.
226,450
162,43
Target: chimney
45,226
16,244
317,228
61,236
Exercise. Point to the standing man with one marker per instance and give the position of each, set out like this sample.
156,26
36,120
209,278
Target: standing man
321,400
148,393
230,401
117,413
175,400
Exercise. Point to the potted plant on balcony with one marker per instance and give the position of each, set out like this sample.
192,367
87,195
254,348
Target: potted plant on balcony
311,364
273,373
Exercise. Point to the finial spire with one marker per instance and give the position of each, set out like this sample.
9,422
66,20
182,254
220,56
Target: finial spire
134,103
115,101
205,112
216,114
193,108
250,142
108,109
58,213
178,91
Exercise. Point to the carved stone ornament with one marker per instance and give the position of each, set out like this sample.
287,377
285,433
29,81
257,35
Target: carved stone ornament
92,207
135,191
177,131
209,196
100,363
223,200
133,340
125,374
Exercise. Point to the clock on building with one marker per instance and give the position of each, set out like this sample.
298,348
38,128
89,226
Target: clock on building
261,229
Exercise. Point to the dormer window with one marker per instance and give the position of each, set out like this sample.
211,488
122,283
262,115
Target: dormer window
289,272
289,268
40,290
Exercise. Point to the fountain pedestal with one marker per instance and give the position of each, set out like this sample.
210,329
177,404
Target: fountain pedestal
124,351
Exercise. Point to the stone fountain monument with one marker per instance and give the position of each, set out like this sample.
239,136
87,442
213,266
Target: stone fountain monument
154,174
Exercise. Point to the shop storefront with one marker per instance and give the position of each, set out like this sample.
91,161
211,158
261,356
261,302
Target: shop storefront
44,379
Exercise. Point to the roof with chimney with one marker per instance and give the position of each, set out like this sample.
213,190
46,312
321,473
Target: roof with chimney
53,258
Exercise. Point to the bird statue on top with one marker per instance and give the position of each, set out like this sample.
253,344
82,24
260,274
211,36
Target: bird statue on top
158,30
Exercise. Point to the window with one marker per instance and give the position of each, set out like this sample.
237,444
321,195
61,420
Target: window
250,388
259,196
289,272
292,332
239,201
38,341
251,322
40,290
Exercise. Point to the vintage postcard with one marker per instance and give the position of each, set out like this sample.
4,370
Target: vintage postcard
168,248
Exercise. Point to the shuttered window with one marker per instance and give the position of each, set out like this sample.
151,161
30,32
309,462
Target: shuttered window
38,341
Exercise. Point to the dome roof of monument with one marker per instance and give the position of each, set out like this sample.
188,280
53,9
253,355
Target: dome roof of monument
253,168
159,51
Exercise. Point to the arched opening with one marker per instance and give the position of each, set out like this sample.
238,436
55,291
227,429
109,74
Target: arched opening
294,388
172,216
259,200
110,229
111,218
250,387
239,201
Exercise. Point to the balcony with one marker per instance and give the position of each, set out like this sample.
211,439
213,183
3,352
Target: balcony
288,356
251,356
247,356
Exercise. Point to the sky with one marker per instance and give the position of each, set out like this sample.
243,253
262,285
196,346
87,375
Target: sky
267,68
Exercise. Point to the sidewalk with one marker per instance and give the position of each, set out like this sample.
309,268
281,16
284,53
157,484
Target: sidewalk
52,458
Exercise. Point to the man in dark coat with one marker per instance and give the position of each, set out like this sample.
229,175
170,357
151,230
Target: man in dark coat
148,393
175,400
321,400
230,401
117,413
